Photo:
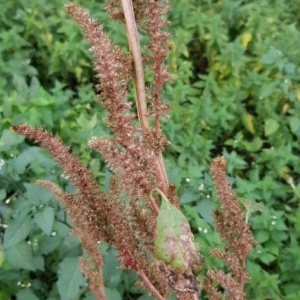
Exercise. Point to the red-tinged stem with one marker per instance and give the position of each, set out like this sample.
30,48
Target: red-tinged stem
150,286
157,93
154,204
139,82
243,269
134,266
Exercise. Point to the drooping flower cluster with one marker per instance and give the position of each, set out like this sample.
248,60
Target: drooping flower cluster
100,216
236,235
133,153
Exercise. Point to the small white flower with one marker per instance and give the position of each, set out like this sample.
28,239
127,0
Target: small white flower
1,163
273,223
205,231
53,233
199,229
188,180
201,187
65,176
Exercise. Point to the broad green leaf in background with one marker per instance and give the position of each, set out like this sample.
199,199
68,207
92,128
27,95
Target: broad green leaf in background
8,139
112,294
17,231
49,243
111,271
45,219
294,123
37,194
253,145
205,208
89,296
39,262
26,294
174,242
272,56
271,126
20,256
187,197
2,194
267,258
70,278
2,256
262,236
30,155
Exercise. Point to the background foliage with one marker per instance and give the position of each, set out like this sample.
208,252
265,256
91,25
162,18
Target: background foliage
236,92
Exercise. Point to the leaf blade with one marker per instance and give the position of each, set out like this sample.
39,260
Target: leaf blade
70,278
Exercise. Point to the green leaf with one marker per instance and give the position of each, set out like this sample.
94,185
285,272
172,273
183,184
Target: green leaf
2,256
9,138
112,294
17,231
254,145
21,86
294,123
70,278
9,275
49,243
37,194
20,256
30,155
267,258
262,236
39,262
174,242
2,194
45,219
277,236
267,90
205,208
187,197
111,270
271,57
271,126
26,294
89,296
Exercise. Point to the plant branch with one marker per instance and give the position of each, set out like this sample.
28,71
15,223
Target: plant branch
138,73
139,83
64,223
154,204
150,286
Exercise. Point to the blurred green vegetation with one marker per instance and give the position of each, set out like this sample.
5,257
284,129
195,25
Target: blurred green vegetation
236,92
